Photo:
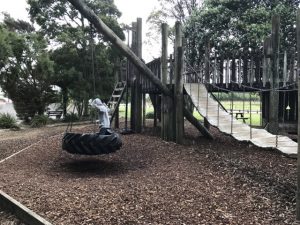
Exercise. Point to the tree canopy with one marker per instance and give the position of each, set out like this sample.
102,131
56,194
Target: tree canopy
64,50
84,61
239,25
25,67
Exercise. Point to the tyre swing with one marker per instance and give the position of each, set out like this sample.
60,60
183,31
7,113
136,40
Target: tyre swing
103,142
91,143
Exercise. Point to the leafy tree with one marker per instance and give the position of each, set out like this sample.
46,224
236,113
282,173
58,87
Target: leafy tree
25,68
238,25
169,11
84,62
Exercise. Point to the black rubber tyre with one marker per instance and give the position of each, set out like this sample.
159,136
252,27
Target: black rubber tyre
91,144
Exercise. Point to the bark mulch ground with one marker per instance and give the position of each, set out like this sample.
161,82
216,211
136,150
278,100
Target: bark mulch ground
150,181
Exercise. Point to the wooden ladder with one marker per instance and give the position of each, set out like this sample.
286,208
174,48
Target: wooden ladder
116,98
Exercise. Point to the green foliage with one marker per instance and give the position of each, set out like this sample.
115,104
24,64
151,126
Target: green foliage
237,96
149,115
7,121
71,117
25,68
39,121
84,63
168,10
233,26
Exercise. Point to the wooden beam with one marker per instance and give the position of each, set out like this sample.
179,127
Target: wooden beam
20,211
115,40
189,116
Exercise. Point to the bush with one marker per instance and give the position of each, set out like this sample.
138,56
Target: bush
71,117
7,121
39,121
150,115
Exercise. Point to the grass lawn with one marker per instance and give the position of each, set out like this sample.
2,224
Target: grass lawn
255,119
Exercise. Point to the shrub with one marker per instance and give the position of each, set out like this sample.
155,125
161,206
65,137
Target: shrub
7,121
150,115
39,121
71,117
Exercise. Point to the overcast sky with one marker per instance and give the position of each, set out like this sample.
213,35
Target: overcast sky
131,9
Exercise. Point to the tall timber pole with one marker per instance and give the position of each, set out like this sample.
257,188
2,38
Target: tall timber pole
298,159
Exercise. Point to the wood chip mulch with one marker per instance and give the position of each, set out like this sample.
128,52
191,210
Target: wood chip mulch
150,181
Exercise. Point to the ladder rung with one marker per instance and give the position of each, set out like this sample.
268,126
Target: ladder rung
119,89
116,96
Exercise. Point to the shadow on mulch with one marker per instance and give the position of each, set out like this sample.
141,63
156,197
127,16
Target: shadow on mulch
92,167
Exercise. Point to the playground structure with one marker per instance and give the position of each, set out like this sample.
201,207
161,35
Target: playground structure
198,88
189,90
167,89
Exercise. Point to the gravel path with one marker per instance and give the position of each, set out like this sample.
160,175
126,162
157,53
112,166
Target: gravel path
150,181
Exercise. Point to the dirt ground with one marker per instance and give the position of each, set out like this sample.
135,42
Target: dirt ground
150,181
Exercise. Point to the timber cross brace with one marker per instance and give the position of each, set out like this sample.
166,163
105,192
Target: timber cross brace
140,65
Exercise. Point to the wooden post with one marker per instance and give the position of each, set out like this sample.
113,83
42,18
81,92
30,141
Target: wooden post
257,73
165,106
266,79
274,95
298,160
144,110
155,111
206,63
117,118
117,73
285,68
292,65
227,73
245,69
133,80
138,88
221,78
240,72
179,83
215,71
251,71
233,69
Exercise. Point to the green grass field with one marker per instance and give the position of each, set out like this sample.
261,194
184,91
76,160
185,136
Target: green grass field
254,120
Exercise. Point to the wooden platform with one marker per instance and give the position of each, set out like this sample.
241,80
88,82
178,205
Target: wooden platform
227,123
